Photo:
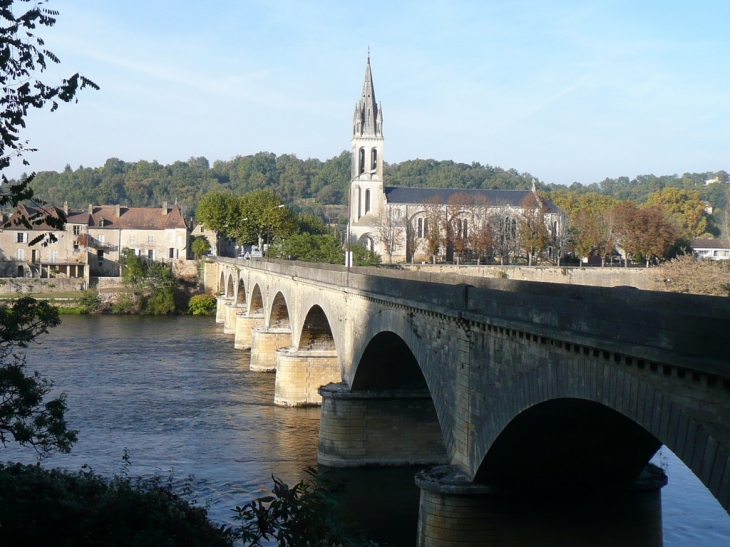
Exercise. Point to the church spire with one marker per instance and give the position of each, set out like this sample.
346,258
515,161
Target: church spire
368,121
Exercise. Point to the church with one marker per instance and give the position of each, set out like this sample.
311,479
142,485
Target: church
430,224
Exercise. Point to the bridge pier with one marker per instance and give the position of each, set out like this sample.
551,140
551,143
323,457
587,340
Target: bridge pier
229,323
300,374
220,308
245,323
264,343
361,428
453,511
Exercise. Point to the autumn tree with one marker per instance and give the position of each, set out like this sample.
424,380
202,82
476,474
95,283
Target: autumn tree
459,215
533,234
643,232
432,229
684,207
687,274
390,230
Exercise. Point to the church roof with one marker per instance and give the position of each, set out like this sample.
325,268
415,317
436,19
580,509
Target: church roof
515,198
368,118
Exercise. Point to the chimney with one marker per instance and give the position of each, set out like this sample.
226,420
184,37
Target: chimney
119,210
65,208
164,207
91,208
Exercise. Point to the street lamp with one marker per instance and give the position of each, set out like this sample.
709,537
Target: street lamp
268,229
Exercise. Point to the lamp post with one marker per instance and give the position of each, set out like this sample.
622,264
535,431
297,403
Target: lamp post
268,229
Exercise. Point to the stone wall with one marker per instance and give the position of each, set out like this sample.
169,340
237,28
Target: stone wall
19,285
640,278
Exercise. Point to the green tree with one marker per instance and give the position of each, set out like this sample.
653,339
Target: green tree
362,256
134,269
263,217
25,416
200,246
683,206
311,248
219,211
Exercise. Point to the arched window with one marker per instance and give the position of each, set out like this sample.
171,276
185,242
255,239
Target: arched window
465,228
367,201
425,227
358,200
361,159
373,159
419,228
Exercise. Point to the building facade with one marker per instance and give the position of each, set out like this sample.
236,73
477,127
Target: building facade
91,243
418,224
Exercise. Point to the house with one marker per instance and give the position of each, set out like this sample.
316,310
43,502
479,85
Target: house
92,240
399,222
712,249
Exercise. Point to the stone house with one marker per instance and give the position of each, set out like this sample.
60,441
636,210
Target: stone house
91,243
395,222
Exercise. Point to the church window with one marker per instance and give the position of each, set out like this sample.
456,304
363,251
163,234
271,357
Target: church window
374,159
419,228
361,159
367,201
464,228
425,227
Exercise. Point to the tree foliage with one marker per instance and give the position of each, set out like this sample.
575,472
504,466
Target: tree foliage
26,417
200,246
688,274
23,56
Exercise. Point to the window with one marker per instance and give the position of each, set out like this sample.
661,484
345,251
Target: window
150,239
77,229
35,256
101,239
76,245
171,253
367,201
21,237
21,254
131,237
419,228
52,256
100,257
151,254
374,159
425,227
361,161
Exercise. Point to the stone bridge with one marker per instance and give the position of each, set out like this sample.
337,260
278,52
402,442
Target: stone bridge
512,384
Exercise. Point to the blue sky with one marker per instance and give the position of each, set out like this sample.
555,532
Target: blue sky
566,90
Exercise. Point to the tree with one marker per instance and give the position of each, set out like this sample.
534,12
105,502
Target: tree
22,55
533,234
683,206
310,248
390,231
200,246
689,275
432,228
217,211
265,216
25,416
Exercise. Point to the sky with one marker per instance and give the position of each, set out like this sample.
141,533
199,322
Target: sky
565,90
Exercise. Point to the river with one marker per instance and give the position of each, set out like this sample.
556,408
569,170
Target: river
175,393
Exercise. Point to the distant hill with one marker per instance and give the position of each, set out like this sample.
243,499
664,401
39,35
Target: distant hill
313,182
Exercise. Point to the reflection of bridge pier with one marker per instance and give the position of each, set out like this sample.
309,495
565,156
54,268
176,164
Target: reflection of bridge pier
455,511
364,428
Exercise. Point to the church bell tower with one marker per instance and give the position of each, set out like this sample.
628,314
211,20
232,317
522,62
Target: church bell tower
366,189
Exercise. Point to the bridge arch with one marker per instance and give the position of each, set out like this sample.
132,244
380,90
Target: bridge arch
387,363
229,286
564,399
256,305
279,315
316,331
241,294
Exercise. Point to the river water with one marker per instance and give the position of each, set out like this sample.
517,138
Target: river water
175,393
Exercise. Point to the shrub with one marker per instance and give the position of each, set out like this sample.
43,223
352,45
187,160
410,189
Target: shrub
126,303
161,302
54,507
89,302
202,304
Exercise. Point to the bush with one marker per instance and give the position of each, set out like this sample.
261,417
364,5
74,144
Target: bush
89,302
125,304
161,302
54,507
202,304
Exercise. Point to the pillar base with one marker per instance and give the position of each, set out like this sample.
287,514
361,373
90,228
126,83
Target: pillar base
244,325
300,374
230,311
264,343
220,308
453,512
366,428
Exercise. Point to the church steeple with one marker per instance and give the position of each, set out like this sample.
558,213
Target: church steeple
368,119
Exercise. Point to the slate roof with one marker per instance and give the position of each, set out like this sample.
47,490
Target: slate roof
515,198
709,244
